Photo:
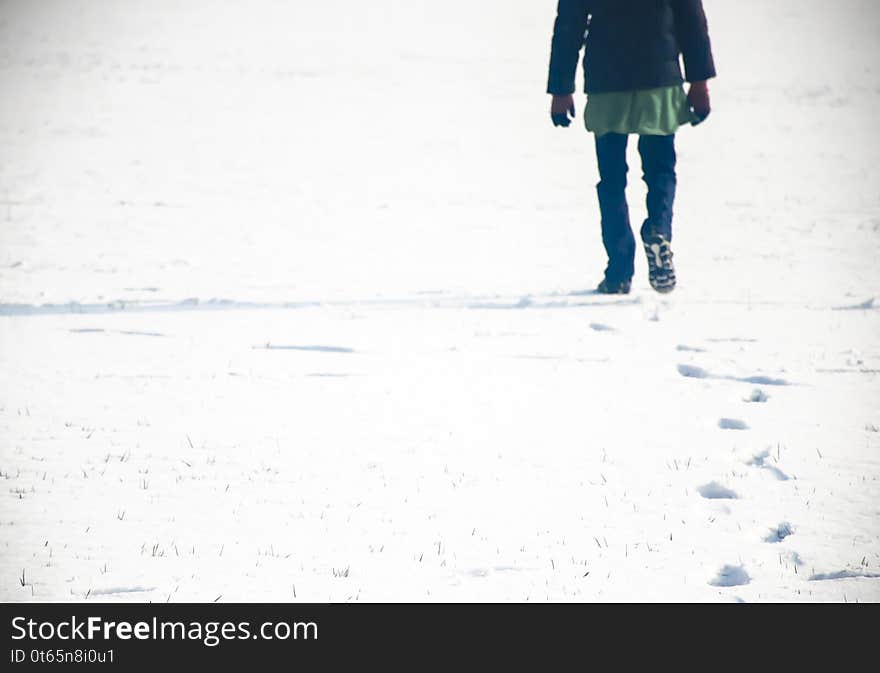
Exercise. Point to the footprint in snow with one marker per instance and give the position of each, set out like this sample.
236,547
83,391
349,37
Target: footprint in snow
795,559
760,460
779,533
732,424
730,576
757,395
693,372
715,491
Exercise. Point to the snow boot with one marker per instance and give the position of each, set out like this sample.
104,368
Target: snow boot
613,287
661,272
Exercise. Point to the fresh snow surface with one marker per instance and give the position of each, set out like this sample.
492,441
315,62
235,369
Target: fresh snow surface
295,305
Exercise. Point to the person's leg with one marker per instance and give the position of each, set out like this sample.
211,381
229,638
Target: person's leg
658,166
617,235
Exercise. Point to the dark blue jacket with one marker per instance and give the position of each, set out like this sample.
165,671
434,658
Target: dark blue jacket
630,44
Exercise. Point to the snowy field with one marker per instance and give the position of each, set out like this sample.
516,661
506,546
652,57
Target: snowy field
295,305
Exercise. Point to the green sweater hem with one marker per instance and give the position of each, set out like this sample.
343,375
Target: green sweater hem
648,112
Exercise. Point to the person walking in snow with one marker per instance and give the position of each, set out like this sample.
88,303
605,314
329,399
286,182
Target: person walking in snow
634,85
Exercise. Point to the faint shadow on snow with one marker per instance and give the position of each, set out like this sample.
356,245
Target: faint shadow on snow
694,372
842,575
866,305
599,327
485,572
732,424
558,358
318,349
730,576
151,306
528,301
109,591
436,299
524,302
101,330
594,293
760,460
715,491
735,340
138,333
779,533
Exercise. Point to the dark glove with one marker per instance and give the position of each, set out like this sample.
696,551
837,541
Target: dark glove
698,98
563,119
562,110
698,118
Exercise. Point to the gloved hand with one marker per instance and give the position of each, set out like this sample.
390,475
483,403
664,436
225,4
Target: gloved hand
561,109
698,98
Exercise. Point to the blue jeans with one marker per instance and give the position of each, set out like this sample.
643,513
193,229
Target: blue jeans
658,168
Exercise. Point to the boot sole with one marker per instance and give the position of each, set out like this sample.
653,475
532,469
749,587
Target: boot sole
661,272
